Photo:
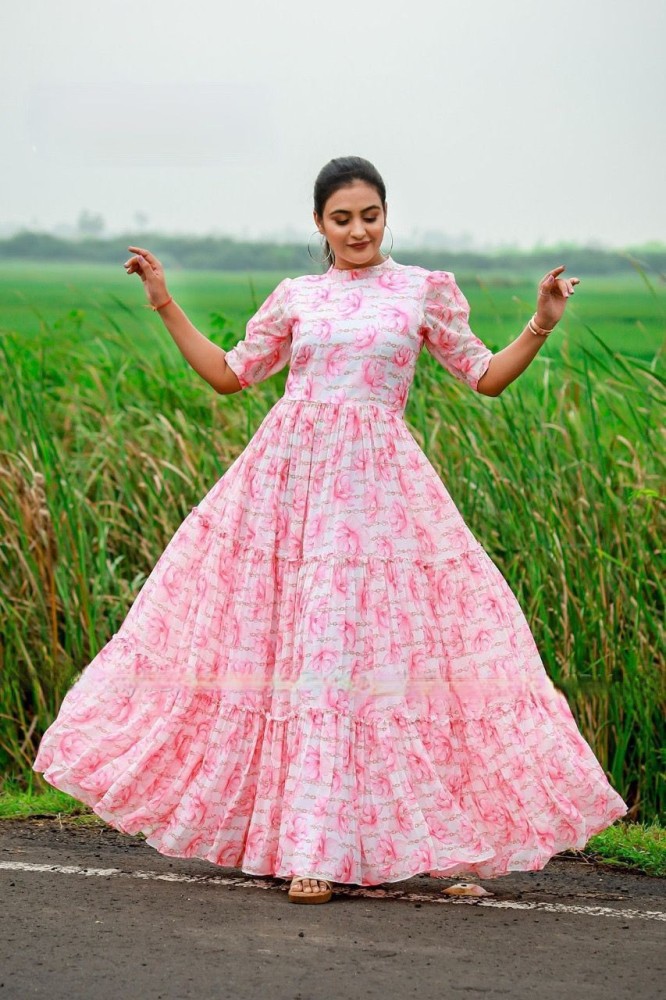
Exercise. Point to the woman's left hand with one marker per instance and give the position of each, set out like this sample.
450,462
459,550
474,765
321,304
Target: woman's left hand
552,298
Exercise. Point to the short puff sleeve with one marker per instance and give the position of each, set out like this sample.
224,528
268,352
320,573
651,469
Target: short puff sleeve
447,335
266,347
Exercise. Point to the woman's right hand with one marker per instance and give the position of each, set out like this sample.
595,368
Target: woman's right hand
149,269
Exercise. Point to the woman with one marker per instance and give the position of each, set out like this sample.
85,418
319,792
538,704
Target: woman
325,677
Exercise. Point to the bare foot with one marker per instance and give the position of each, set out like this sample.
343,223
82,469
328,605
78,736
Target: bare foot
308,884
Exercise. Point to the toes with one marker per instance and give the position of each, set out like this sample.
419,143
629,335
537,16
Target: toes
309,885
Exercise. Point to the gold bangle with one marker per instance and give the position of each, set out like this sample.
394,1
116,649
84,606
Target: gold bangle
536,329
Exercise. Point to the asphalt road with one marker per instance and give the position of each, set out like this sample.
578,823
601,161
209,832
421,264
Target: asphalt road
106,916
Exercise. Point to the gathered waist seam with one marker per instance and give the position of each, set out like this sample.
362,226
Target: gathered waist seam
346,402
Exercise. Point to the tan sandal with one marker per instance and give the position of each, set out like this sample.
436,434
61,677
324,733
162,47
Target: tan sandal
314,896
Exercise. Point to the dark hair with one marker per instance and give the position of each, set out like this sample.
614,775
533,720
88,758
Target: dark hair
339,173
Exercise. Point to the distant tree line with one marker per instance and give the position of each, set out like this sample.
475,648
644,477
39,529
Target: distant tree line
222,253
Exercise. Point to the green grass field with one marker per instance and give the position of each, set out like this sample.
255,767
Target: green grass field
108,438
628,313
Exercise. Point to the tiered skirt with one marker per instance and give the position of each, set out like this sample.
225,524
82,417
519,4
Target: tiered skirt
325,674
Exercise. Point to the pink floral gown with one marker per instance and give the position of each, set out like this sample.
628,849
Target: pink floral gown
325,673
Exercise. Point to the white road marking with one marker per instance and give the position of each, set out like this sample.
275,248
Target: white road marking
257,883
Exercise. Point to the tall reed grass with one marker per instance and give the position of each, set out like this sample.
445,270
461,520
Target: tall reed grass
106,444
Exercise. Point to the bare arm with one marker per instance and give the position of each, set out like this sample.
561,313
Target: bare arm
202,354
506,365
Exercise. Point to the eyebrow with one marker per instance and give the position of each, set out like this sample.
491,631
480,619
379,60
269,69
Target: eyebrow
345,211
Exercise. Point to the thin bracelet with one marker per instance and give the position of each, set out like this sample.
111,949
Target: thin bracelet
536,329
170,299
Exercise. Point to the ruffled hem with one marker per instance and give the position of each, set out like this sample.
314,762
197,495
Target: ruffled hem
357,801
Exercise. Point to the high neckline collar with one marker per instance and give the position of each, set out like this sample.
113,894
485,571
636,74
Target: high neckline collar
354,273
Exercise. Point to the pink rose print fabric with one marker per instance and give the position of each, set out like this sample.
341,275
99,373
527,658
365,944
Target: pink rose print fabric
325,673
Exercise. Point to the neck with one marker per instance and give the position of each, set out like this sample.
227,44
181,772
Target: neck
359,267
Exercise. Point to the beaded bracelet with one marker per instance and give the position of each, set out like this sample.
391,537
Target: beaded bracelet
539,331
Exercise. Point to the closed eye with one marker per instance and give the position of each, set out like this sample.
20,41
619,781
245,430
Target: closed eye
366,220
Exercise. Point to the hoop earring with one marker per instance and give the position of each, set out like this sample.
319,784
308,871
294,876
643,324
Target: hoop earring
322,260
387,252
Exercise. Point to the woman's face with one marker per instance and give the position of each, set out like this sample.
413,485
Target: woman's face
354,214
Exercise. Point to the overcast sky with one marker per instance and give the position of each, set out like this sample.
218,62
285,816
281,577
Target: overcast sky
514,122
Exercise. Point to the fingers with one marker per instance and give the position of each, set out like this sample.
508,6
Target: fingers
139,265
136,265
545,281
147,255
563,286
